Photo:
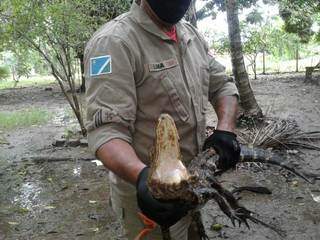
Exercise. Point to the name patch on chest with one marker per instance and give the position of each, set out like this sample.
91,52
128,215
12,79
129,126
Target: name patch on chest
156,67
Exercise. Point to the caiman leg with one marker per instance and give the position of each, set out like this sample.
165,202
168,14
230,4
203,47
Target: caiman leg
252,188
239,211
196,218
210,193
231,200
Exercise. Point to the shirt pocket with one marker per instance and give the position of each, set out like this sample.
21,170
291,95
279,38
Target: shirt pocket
167,80
204,76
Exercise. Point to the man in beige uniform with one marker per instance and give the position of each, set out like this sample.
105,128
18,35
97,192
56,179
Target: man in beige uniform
135,72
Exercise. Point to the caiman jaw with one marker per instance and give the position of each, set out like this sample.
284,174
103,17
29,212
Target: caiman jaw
167,168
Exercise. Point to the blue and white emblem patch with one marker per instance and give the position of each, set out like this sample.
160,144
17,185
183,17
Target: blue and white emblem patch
100,65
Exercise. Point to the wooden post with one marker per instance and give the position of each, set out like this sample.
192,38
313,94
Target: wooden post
297,58
264,62
309,71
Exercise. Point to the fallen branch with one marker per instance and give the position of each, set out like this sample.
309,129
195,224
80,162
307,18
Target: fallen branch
41,159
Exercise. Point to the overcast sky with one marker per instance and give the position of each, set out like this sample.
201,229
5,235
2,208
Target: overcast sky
219,25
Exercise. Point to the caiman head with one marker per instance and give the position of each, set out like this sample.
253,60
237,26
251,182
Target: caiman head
167,176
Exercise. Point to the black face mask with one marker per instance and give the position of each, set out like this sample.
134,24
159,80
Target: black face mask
169,11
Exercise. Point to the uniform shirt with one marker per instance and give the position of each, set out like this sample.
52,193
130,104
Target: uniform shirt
134,72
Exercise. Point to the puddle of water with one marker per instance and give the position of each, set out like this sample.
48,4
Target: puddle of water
315,194
77,171
97,162
63,118
29,195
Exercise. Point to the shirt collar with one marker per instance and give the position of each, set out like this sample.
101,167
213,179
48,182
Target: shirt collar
147,24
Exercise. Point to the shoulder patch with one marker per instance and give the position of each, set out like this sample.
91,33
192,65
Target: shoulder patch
100,65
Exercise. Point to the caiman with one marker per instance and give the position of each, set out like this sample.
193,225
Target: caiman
196,184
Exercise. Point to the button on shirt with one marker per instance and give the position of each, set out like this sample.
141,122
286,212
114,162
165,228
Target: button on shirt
134,72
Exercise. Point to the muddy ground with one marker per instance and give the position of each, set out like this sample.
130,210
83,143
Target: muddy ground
41,199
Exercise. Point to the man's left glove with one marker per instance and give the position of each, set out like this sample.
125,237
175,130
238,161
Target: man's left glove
227,146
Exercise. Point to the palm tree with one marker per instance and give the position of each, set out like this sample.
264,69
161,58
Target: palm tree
248,101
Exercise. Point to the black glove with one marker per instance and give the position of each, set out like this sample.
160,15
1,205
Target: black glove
166,213
227,146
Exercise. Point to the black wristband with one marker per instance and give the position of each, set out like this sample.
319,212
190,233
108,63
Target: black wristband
141,175
225,132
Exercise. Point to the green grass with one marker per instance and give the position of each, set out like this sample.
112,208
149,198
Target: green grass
23,118
27,82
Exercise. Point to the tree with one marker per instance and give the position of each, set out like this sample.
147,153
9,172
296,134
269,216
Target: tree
295,22
221,45
252,47
256,34
301,24
19,63
4,72
247,98
58,31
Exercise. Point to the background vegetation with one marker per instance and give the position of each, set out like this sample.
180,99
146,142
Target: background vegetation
47,38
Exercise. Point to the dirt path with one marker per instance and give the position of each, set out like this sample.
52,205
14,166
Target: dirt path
69,199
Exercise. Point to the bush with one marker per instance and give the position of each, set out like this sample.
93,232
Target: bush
4,73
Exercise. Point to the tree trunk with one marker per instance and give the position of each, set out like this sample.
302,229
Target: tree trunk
264,62
247,99
297,58
255,67
191,15
83,82
13,71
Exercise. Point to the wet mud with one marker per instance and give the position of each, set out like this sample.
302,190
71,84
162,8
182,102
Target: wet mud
56,200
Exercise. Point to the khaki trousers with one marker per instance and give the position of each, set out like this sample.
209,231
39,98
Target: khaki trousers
124,204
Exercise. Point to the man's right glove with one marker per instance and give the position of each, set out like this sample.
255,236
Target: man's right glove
166,213
226,145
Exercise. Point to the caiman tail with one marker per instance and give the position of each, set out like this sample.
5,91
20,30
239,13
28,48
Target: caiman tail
258,155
